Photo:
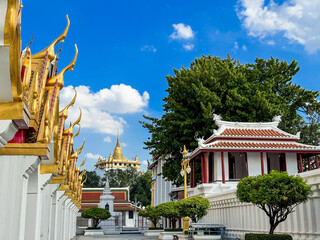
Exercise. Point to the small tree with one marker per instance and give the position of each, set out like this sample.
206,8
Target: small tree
97,214
194,207
151,213
277,194
170,211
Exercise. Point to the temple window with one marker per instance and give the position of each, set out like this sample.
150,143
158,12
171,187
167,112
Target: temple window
237,165
130,214
276,161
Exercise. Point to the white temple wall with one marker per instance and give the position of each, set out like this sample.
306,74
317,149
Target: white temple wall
291,162
14,175
254,163
241,218
162,187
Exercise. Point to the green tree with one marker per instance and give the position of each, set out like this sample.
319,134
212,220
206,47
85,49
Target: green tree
194,208
96,214
139,182
170,211
151,213
277,194
93,180
140,189
238,92
121,178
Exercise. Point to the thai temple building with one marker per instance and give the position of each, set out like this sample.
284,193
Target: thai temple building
117,160
40,182
126,214
237,150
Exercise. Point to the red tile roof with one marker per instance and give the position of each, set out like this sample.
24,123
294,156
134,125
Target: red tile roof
252,132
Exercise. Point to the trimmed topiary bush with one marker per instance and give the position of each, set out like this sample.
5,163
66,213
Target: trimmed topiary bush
253,236
96,214
194,208
276,193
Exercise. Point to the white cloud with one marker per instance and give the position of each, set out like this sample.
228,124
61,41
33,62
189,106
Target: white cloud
123,144
182,31
297,20
188,47
93,156
244,48
271,42
145,162
98,107
148,48
236,45
107,139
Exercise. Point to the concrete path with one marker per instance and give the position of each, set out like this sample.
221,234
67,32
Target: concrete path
116,237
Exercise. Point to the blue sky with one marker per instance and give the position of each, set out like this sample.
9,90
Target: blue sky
126,48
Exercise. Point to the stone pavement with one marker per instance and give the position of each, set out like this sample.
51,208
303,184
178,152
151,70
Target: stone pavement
116,237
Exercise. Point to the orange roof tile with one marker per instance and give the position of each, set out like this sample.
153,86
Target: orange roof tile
252,132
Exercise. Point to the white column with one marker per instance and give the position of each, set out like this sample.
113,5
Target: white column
32,230
13,188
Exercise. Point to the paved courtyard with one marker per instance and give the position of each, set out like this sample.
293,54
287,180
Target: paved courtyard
115,237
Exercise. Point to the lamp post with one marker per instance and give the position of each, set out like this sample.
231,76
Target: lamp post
185,169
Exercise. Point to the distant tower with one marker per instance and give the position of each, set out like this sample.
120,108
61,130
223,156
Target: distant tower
117,160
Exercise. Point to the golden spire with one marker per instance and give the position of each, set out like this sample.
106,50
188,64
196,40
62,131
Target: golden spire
65,110
50,48
117,153
52,81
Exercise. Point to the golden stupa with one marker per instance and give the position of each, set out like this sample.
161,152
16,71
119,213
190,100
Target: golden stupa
117,160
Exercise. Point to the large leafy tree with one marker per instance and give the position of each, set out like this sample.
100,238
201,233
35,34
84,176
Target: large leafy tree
93,180
139,183
252,92
140,189
121,178
277,194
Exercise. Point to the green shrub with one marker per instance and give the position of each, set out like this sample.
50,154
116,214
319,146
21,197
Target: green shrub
173,230
155,228
194,208
254,236
97,214
276,193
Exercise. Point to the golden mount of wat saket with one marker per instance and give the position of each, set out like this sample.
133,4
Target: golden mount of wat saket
117,160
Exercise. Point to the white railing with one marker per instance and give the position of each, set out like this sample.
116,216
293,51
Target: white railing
241,218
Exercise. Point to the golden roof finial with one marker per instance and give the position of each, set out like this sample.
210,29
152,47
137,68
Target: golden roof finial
84,180
77,134
65,110
83,173
184,153
30,41
59,76
79,150
78,168
50,48
70,129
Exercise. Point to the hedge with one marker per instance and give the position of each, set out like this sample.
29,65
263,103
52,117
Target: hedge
254,236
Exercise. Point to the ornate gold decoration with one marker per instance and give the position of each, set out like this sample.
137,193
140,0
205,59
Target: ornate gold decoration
50,48
58,79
